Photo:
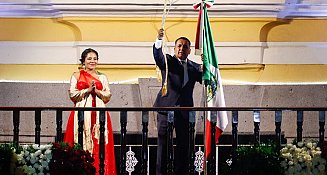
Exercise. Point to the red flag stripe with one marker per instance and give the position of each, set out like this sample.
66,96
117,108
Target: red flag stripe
208,137
198,33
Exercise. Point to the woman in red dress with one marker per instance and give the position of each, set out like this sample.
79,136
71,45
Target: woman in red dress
90,88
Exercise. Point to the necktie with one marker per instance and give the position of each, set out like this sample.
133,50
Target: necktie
184,63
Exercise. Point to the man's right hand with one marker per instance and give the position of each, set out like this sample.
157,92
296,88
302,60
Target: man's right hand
161,33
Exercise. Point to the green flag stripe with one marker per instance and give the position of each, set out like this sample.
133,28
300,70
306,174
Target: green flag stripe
210,62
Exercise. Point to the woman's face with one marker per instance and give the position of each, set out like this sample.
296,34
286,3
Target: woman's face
91,61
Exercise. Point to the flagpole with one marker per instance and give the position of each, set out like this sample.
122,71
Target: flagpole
205,104
204,86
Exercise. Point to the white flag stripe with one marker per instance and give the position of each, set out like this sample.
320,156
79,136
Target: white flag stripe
218,100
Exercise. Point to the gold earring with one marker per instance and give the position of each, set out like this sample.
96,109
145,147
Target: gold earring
83,66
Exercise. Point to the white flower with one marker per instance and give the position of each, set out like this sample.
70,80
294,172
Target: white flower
314,144
318,153
36,165
48,151
298,150
26,153
13,149
286,155
36,146
38,152
44,163
33,160
290,157
48,146
309,145
42,147
302,158
40,168
300,144
304,149
36,160
284,150
31,170
307,157
20,157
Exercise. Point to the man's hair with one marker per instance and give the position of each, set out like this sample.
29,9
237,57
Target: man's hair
183,38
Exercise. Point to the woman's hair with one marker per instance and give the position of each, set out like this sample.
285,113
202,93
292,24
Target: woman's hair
85,52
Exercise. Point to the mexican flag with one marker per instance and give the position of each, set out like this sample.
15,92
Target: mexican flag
204,44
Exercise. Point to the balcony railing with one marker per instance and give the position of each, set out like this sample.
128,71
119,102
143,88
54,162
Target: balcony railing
211,162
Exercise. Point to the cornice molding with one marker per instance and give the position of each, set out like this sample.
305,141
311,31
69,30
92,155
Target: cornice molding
118,9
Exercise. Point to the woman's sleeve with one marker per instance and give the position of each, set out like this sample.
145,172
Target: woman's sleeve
105,93
75,94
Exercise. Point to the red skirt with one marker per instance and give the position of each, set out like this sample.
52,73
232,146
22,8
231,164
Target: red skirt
109,162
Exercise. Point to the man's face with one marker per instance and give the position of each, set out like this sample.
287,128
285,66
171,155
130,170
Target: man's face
182,49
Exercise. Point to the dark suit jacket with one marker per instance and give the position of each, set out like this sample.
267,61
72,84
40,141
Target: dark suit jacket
177,95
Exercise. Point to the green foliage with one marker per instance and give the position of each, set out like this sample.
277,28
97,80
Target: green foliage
65,145
262,159
7,153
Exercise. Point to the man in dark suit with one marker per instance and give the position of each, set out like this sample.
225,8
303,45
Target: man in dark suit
182,76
